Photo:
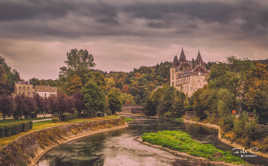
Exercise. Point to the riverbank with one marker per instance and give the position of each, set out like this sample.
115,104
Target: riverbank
28,149
182,142
223,140
200,160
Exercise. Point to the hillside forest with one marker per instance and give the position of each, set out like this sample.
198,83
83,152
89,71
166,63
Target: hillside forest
236,96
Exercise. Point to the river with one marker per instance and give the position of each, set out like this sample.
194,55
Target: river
119,148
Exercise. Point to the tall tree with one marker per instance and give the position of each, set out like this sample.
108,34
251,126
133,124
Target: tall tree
75,73
114,102
94,99
6,107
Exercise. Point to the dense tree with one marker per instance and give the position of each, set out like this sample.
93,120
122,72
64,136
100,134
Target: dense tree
8,77
93,98
114,103
49,82
6,106
78,103
165,102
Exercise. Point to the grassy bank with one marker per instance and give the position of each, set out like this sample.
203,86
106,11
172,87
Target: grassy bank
47,124
181,141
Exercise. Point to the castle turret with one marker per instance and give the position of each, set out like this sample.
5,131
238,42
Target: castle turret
199,59
182,57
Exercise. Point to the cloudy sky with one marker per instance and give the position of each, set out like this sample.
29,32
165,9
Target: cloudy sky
122,34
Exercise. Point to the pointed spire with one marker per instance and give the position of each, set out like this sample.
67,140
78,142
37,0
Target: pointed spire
175,61
182,56
199,59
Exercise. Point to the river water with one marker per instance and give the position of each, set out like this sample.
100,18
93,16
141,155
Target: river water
119,148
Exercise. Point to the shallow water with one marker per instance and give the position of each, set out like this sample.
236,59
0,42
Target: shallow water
119,148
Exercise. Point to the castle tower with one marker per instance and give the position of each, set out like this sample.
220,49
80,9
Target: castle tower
199,59
188,76
182,57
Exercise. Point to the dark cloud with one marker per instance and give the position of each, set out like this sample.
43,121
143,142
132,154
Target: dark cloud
234,27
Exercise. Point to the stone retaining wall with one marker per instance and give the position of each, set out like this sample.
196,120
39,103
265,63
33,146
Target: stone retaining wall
27,150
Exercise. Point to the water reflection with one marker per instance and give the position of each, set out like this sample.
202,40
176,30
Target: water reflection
119,148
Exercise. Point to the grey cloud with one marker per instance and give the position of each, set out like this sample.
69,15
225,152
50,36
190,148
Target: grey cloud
15,16
229,26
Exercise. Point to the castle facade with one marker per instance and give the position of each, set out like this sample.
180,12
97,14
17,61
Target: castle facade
188,76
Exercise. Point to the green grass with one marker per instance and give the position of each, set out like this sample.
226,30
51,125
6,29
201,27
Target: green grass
11,122
179,120
47,124
181,141
127,119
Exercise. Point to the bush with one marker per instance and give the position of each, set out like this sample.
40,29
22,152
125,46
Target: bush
12,128
68,116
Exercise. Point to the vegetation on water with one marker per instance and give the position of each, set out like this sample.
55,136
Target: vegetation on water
127,119
181,141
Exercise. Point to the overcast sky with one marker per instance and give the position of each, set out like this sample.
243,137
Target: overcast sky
122,34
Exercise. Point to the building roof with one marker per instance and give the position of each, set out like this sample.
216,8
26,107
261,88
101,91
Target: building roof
182,57
43,88
23,83
195,65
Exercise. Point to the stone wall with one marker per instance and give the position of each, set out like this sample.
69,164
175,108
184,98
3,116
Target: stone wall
27,150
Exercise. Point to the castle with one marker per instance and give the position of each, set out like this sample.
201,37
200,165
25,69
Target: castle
188,76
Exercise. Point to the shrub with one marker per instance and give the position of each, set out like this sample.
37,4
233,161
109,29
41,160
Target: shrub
68,116
15,127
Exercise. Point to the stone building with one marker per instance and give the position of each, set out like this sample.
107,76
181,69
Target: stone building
188,76
28,90
24,88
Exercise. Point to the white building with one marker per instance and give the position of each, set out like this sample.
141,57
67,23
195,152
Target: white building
45,91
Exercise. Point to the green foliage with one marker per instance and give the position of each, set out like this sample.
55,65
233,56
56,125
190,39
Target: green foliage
48,82
114,103
166,102
240,85
181,141
245,128
94,99
75,74
10,128
140,82
127,119
8,77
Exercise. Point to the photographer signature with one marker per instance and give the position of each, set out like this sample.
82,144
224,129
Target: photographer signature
243,153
